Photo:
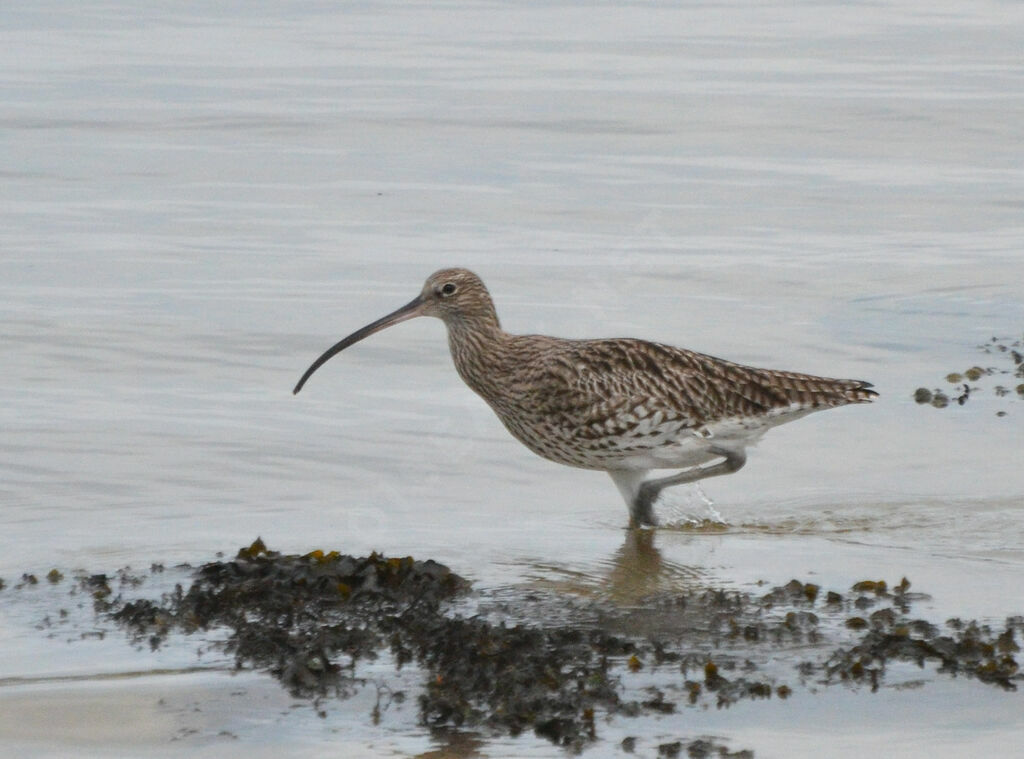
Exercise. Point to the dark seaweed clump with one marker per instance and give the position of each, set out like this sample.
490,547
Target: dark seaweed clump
297,614
970,648
533,660
1007,351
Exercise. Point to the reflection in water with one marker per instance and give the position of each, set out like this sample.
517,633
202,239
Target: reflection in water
636,571
637,567
453,744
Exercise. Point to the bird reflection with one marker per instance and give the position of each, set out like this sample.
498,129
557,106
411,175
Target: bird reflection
454,744
638,570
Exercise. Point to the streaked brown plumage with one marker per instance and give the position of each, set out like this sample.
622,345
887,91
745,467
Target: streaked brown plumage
620,405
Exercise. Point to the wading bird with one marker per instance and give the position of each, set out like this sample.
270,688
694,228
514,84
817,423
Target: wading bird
619,405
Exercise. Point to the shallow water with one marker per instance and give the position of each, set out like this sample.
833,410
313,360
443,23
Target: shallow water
197,200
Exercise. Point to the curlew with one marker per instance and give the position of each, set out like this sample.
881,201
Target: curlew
620,405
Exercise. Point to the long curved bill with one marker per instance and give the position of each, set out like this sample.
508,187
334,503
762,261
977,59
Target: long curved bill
410,310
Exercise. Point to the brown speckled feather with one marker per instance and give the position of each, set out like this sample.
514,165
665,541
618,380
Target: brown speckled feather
566,399
622,403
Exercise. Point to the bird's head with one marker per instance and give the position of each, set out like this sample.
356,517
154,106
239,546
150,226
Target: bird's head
457,296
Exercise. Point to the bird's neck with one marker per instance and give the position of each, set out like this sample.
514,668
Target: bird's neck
478,346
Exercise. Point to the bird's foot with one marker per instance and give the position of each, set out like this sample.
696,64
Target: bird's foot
641,513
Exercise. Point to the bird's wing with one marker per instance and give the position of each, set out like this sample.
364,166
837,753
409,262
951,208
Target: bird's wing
593,382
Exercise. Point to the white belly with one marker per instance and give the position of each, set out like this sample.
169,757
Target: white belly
674,448
646,444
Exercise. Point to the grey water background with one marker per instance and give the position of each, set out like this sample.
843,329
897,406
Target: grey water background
198,198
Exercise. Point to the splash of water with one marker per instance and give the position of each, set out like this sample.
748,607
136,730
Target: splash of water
690,507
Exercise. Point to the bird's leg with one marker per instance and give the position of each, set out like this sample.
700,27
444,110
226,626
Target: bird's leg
642,508
629,482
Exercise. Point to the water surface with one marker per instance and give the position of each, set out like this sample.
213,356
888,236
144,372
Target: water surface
197,200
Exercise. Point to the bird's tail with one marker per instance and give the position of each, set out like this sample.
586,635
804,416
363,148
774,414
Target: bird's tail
859,391
811,391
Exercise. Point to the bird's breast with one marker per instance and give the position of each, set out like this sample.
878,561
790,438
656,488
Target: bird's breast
614,443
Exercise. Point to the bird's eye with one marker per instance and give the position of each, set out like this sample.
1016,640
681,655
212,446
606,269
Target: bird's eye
449,289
